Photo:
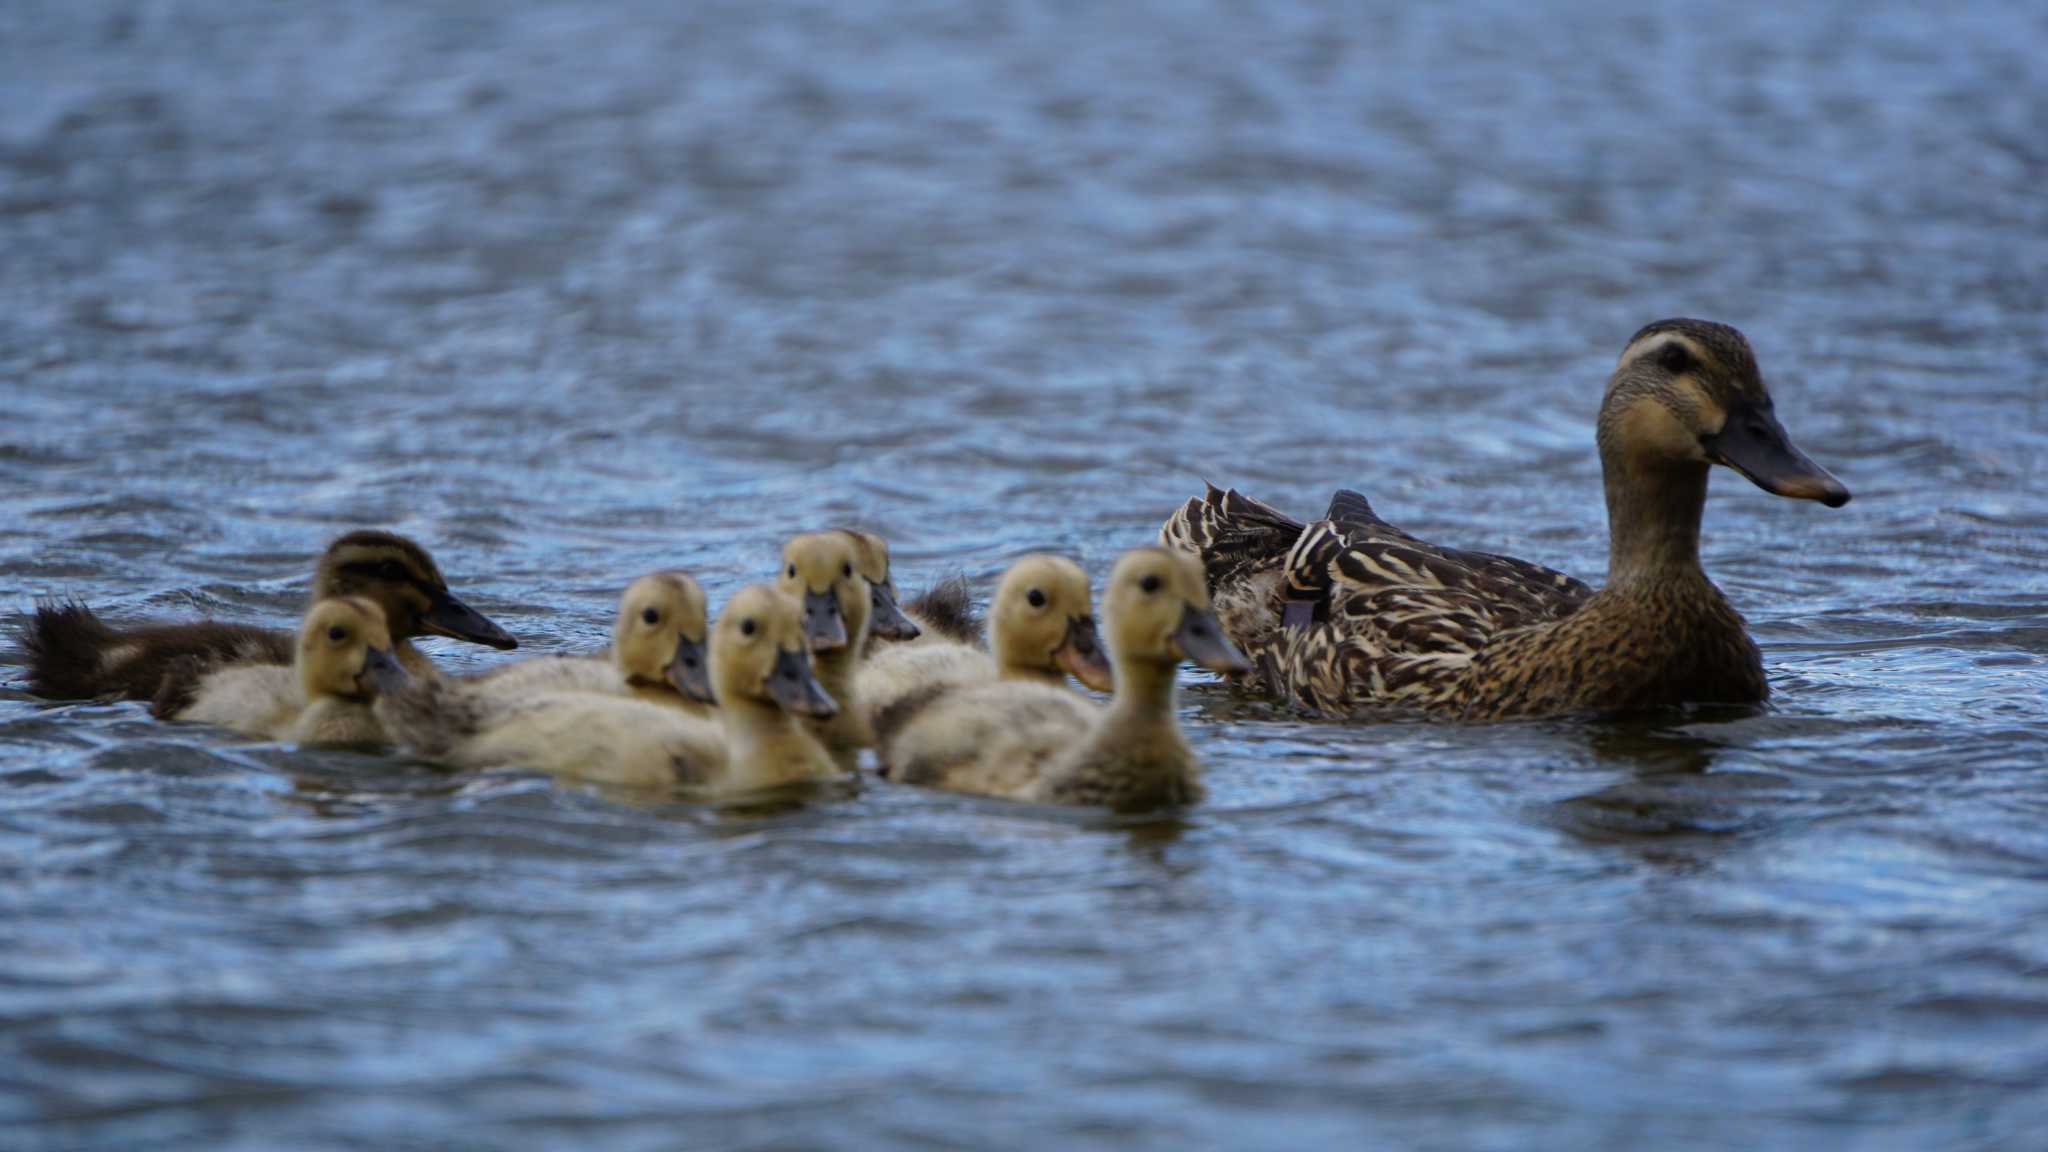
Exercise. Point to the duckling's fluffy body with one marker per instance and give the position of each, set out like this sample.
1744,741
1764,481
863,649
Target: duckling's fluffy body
1028,740
73,654
325,697
760,671
1350,615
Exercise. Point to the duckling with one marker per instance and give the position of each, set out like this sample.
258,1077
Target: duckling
1028,741
1042,629
657,652
818,570
886,620
324,698
74,655
762,676
1351,616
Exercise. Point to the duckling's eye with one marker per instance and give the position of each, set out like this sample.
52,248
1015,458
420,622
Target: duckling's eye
792,571
846,570
1036,598
1149,584
651,615
1675,358
747,627
391,570
337,633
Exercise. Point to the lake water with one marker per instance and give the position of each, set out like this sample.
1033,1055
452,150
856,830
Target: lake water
572,291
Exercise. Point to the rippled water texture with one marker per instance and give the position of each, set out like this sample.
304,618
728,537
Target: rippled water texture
571,291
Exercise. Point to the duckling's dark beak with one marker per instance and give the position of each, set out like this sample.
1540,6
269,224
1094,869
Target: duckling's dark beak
383,671
690,673
1202,641
1753,443
792,685
824,627
1081,655
447,616
888,621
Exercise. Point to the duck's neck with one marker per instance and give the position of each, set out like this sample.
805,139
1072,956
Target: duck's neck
1653,521
846,733
1145,693
412,659
761,737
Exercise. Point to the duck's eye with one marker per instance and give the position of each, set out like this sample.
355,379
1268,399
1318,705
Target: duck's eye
391,570
651,615
1149,584
1036,598
1675,358
792,572
747,627
846,570
337,633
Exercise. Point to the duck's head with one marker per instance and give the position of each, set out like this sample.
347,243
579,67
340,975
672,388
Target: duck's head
400,578
1688,392
818,569
759,653
345,650
1157,602
659,637
1044,620
885,616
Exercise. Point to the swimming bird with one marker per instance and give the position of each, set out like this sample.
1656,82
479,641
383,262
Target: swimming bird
818,570
1030,741
760,671
74,655
1352,616
657,652
1041,629
886,620
324,697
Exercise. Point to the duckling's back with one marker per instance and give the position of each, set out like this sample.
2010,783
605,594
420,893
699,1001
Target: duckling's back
607,739
993,738
899,681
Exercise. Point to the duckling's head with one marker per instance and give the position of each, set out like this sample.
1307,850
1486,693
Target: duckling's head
1688,392
401,578
345,650
885,615
759,653
818,569
1044,620
659,637
1157,602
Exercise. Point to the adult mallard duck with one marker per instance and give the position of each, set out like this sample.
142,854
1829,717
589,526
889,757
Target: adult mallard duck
1351,615
74,655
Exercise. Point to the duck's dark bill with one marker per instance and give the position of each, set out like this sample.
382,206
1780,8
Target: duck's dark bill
889,621
1753,443
447,616
792,685
1201,640
1081,655
383,671
824,627
689,673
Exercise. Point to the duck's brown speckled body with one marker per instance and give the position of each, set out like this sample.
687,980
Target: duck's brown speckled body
1352,616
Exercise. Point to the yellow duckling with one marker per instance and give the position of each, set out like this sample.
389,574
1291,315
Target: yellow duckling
1028,741
657,652
760,672
74,655
886,620
324,698
818,570
1041,628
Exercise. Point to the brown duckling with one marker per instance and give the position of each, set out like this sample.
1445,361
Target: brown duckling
760,671
1028,741
1352,616
1041,629
325,697
657,652
74,655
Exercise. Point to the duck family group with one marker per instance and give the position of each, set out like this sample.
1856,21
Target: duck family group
1346,616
